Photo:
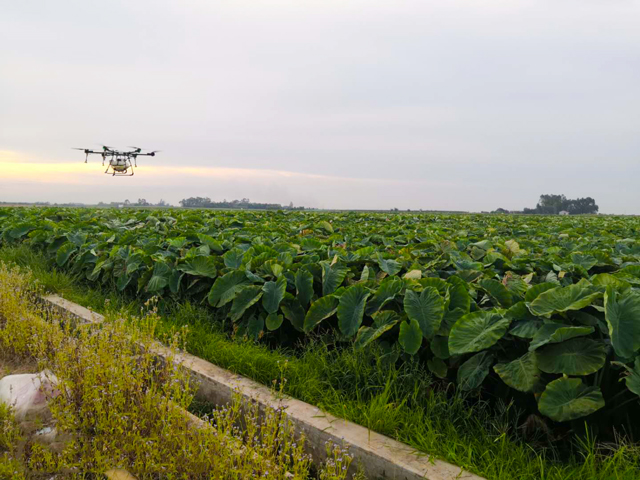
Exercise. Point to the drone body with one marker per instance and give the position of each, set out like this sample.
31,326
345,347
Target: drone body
119,163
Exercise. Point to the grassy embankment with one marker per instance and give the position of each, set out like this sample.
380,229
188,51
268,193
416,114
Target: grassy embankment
399,401
114,406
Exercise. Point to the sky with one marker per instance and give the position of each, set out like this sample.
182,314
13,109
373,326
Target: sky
447,105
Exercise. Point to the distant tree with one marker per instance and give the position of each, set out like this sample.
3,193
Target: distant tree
127,202
554,204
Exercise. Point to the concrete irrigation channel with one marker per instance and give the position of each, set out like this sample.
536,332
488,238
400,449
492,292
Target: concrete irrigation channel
378,455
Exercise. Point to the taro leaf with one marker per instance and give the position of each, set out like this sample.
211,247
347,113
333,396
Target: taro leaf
351,309
233,258
476,331
64,252
579,356
410,337
415,274
563,299
321,309
21,231
332,277
522,373
273,295
386,292
245,298
472,373
326,226
255,326
525,328
497,291
364,276
175,280
459,294
77,238
585,261
225,288
273,321
123,281
536,290
294,312
623,318
200,267
450,318
606,280
304,286
566,399
633,378
437,367
160,277
390,267
427,309
383,322
440,347
556,333
211,242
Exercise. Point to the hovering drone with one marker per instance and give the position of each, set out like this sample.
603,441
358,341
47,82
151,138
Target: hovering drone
120,163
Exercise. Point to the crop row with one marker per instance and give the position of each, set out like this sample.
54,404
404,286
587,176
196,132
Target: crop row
544,310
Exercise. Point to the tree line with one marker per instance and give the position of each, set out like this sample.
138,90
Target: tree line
555,204
206,202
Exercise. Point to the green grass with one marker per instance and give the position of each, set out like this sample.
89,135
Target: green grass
399,401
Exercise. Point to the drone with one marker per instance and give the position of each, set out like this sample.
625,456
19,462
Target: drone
119,163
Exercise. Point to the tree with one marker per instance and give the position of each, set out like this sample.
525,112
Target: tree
554,204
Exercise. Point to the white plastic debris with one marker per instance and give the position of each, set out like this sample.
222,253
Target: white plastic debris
28,393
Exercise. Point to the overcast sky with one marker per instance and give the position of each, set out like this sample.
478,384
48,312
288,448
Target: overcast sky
456,104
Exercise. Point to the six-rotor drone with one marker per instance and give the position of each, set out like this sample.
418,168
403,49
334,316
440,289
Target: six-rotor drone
119,162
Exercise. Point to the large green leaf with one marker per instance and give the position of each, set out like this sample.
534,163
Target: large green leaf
390,267
623,318
225,288
332,277
563,299
608,280
579,356
387,291
351,309
245,298
426,308
320,310
273,321
273,294
410,337
556,333
200,266
458,294
160,277
472,373
522,373
476,331
234,258
498,292
535,290
383,322
64,252
632,379
304,286
566,399
295,313
437,367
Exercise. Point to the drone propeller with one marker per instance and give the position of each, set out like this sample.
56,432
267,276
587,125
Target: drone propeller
76,148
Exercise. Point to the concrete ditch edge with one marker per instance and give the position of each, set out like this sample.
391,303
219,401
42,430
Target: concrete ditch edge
380,456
